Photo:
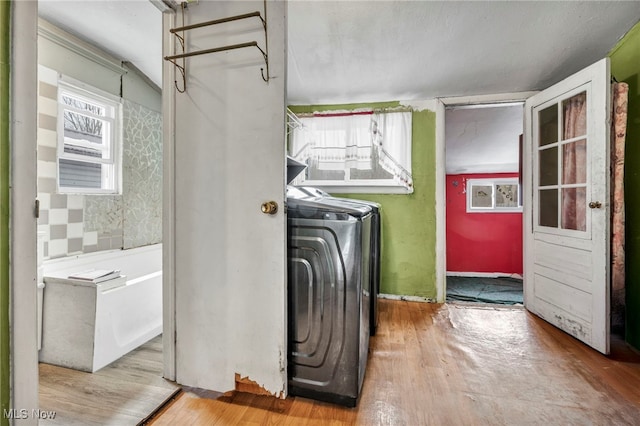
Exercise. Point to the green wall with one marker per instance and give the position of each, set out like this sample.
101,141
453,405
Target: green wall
625,67
5,20
409,221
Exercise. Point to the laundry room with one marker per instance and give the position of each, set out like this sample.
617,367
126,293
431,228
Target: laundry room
296,185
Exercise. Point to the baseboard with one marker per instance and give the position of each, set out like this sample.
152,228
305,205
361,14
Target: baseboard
407,298
483,274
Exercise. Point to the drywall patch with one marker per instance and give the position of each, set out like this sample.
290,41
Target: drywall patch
245,384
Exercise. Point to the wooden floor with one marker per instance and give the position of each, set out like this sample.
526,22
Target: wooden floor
433,364
123,393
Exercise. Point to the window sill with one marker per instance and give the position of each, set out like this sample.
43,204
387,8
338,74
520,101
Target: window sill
81,191
361,189
492,210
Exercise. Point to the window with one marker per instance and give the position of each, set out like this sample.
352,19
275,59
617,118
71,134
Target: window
493,196
88,140
354,151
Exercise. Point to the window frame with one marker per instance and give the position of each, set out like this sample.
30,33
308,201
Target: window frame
351,186
493,182
110,185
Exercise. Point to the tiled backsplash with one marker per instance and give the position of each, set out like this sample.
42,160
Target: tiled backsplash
75,223
142,176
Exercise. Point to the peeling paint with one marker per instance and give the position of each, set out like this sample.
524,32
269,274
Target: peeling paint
283,361
572,327
421,105
245,384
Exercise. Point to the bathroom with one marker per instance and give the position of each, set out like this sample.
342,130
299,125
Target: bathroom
100,202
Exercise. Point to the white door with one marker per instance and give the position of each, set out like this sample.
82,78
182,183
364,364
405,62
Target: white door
567,218
229,158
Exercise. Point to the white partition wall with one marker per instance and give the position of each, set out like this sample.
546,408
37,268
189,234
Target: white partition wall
228,137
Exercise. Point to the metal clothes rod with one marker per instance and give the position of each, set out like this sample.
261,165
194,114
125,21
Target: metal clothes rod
217,21
181,38
216,49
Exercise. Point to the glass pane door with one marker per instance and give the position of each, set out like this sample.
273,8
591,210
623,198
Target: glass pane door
561,151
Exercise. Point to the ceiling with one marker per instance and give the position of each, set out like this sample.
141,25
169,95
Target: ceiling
483,140
365,51
128,30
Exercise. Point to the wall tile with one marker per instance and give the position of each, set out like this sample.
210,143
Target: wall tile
48,106
58,216
45,200
47,153
75,245
57,248
90,239
58,232
58,201
47,122
85,223
75,215
142,176
44,217
47,185
48,90
48,75
75,201
104,244
102,213
116,242
47,169
75,230
47,138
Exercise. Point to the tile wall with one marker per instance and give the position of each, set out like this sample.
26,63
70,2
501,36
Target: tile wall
72,223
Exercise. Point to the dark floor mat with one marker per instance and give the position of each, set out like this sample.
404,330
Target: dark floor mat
503,290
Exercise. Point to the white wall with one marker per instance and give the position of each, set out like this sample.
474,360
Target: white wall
230,258
73,57
483,139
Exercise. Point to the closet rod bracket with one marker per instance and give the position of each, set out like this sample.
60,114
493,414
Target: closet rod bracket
181,38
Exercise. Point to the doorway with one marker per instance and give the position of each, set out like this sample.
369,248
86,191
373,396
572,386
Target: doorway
484,255
99,150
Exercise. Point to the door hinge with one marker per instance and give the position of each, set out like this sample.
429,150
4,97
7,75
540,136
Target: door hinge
36,210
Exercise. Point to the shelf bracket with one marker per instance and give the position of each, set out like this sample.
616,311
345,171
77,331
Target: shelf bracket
182,68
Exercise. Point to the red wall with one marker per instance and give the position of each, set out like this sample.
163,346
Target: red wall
481,242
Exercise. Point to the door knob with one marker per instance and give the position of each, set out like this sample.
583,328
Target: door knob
269,207
595,204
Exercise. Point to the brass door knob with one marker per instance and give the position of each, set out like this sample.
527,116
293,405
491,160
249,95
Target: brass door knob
269,207
595,204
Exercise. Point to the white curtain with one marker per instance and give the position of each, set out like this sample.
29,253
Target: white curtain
393,142
347,141
336,142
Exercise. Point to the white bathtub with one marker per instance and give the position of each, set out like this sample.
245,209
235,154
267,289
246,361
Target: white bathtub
87,326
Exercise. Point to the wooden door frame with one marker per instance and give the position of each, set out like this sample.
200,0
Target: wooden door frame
24,375
168,202
441,174
23,104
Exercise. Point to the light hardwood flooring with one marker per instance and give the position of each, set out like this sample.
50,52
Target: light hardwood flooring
122,393
454,364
